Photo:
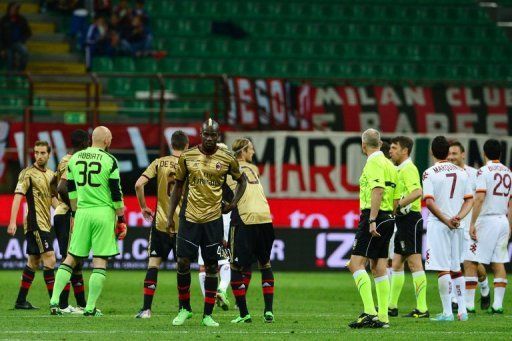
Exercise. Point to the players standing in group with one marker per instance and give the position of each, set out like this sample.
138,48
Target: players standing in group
457,156
409,234
62,225
449,197
377,194
96,199
251,236
34,183
202,171
490,228
161,241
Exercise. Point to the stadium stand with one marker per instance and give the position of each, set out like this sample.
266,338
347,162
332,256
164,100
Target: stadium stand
424,41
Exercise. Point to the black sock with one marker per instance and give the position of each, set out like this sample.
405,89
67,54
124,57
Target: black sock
64,297
247,275
49,279
77,281
150,287
26,281
267,285
239,290
210,292
184,290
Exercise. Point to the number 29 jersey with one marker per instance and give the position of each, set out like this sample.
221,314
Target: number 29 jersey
93,179
448,185
495,180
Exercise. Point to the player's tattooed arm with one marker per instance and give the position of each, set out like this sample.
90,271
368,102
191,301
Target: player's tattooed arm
238,193
176,194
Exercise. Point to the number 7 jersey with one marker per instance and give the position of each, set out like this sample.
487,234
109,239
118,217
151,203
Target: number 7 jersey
495,180
448,185
93,179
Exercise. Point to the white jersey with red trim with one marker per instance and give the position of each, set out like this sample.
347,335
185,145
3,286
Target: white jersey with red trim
448,185
495,180
472,172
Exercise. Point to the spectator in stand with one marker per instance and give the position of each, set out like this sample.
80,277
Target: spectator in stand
103,8
137,41
97,40
124,13
14,33
140,11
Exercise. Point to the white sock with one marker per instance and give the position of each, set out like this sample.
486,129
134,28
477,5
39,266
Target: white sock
444,284
453,295
225,277
484,287
202,276
460,289
470,292
499,293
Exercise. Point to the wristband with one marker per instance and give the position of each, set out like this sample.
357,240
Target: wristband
372,220
120,219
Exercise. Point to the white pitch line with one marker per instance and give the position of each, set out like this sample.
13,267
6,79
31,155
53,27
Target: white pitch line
210,331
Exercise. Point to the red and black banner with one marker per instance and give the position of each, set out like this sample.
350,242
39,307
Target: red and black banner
285,105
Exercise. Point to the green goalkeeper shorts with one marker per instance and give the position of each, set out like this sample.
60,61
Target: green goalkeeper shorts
94,229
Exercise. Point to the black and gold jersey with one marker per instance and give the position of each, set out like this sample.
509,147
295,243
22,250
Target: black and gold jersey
204,176
34,184
164,170
62,169
253,206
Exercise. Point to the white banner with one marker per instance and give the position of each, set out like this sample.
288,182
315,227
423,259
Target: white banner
328,164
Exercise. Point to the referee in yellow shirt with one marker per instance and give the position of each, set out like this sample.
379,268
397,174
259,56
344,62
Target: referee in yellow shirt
376,201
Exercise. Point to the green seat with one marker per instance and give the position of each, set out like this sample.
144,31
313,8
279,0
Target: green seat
147,65
124,64
102,64
172,65
119,86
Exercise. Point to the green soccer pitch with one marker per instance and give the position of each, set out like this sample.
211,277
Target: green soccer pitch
306,306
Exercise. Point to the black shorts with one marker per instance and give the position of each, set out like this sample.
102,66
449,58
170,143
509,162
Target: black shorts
161,244
409,234
373,247
62,225
38,242
250,243
207,236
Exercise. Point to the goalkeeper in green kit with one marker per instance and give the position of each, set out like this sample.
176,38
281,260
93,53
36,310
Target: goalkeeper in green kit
97,207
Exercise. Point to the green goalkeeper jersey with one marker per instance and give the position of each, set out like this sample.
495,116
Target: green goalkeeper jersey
93,179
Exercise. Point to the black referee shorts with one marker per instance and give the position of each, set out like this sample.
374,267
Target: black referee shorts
369,246
409,233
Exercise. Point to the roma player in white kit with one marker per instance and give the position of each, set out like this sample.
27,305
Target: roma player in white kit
448,196
490,228
457,156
